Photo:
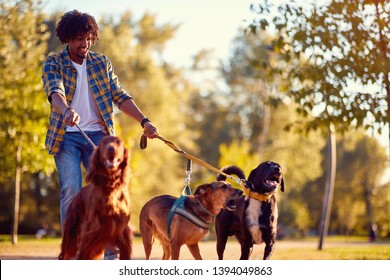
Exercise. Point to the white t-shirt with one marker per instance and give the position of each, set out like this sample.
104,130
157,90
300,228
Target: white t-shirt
84,103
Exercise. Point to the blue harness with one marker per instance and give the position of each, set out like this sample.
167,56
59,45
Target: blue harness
179,208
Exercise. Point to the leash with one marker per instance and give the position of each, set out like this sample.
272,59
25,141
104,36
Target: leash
178,205
86,136
143,145
246,189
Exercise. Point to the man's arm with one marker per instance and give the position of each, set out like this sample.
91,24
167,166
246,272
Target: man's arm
131,109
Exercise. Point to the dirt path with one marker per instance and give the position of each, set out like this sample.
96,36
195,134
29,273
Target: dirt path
284,250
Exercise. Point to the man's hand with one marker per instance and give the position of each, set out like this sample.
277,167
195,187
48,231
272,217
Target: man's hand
150,130
71,117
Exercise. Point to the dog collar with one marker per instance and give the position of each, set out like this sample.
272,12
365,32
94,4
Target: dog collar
258,196
205,209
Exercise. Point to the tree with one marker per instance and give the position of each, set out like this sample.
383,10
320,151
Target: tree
360,168
381,202
22,104
345,47
368,159
253,85
135,49
344,80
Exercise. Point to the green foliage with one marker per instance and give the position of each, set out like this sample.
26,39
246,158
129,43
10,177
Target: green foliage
361,162
161,94
22,105
239,154
244,122
345,49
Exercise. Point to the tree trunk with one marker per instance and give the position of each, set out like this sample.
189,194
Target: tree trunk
370,211
329,190
18,174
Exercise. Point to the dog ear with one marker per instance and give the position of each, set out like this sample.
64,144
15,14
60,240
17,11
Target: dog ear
94,164
282,185
202,189
125,160
125,167
252,175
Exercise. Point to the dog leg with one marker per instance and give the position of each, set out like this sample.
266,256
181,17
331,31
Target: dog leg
68,249
91,248
269,249
67,254
92,252
223,223
70,234
221,245
146,229
166,250
195,252
246,248
175,249
124,244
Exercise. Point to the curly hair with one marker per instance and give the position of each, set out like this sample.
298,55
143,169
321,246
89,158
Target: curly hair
74,23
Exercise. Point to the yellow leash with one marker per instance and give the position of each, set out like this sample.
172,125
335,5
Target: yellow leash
247,191
143,145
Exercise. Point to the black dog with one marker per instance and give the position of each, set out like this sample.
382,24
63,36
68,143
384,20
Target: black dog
255,219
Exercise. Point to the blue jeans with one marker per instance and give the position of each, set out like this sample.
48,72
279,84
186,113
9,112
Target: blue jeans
75,150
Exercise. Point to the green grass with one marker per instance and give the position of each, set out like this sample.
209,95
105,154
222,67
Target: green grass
334,248
340,253
28,238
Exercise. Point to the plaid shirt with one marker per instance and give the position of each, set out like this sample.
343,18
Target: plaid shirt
59,75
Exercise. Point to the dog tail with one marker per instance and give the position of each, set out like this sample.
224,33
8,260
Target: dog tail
231,170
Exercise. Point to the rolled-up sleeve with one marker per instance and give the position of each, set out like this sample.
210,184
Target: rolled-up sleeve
51,77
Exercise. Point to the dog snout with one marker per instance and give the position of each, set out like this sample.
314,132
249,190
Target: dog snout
111,149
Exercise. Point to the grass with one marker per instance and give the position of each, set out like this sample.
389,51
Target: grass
334,248
339,253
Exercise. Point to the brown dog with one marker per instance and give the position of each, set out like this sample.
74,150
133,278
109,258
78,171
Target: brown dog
256,218
99,214
207,201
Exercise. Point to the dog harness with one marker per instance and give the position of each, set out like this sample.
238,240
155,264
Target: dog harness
179,208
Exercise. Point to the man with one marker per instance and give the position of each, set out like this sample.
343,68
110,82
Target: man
82,88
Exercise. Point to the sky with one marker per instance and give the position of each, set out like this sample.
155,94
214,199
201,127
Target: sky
204,24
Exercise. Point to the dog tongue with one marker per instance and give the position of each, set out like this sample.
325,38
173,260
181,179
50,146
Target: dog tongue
271,182
111,164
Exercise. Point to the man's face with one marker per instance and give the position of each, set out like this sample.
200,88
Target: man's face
78,47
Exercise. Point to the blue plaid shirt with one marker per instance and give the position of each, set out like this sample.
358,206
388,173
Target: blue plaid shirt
59,75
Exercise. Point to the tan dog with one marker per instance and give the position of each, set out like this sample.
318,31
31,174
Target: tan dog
207,201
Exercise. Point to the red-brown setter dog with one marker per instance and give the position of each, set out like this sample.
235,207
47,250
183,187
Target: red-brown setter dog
99,214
